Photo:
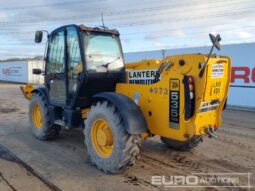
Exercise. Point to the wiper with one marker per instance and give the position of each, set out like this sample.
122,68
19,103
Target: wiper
107,64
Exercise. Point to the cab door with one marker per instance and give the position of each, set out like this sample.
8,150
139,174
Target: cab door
74,64
55,75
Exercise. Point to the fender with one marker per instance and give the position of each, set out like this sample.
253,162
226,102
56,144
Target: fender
41,90
28,90
132,115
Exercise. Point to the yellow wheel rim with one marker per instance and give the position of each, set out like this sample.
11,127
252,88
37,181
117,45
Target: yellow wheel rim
102,138
37,116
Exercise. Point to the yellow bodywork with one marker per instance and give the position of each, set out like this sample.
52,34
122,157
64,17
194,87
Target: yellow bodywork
154,99
26,90
84,112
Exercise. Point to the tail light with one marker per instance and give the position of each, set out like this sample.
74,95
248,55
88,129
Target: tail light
189,88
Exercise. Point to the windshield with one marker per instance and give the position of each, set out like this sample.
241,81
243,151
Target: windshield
102,52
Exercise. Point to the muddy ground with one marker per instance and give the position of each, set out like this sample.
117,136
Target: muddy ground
63,164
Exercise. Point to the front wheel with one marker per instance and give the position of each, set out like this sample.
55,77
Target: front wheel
39,119
109,145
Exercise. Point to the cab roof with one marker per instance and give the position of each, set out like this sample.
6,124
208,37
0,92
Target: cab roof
99,29
91,29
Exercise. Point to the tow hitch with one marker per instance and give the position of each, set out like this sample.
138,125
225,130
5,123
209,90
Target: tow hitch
211,132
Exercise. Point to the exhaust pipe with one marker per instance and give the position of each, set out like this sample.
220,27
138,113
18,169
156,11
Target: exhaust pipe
211,132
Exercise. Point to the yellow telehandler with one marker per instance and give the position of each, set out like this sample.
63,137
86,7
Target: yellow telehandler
179,98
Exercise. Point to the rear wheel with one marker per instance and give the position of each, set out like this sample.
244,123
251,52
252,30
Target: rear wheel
109,145
39,119
182,145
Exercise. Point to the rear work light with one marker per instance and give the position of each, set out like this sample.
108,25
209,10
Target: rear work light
189,88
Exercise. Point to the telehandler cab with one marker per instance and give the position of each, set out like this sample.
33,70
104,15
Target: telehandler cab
180,98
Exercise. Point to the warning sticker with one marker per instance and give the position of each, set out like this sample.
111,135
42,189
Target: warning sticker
141,76
217,71
209,106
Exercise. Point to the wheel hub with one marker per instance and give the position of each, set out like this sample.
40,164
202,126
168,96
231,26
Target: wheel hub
102,138
37,116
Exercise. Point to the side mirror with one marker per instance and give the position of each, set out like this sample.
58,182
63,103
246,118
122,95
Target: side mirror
215,40
38,36
37,71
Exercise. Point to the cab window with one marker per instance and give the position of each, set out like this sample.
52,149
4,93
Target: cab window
103,51
56,56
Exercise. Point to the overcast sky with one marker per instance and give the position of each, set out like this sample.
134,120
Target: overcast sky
143,24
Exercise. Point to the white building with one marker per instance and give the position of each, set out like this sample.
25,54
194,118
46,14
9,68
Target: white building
21,71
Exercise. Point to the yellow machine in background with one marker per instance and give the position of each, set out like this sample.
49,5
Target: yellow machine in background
179,98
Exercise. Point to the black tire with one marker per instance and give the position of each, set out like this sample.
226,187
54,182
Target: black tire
48,130
182,145
126,146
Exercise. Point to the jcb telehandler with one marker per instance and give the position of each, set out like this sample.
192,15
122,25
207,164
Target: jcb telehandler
179,98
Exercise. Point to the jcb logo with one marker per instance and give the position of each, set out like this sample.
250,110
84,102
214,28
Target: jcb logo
174,85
